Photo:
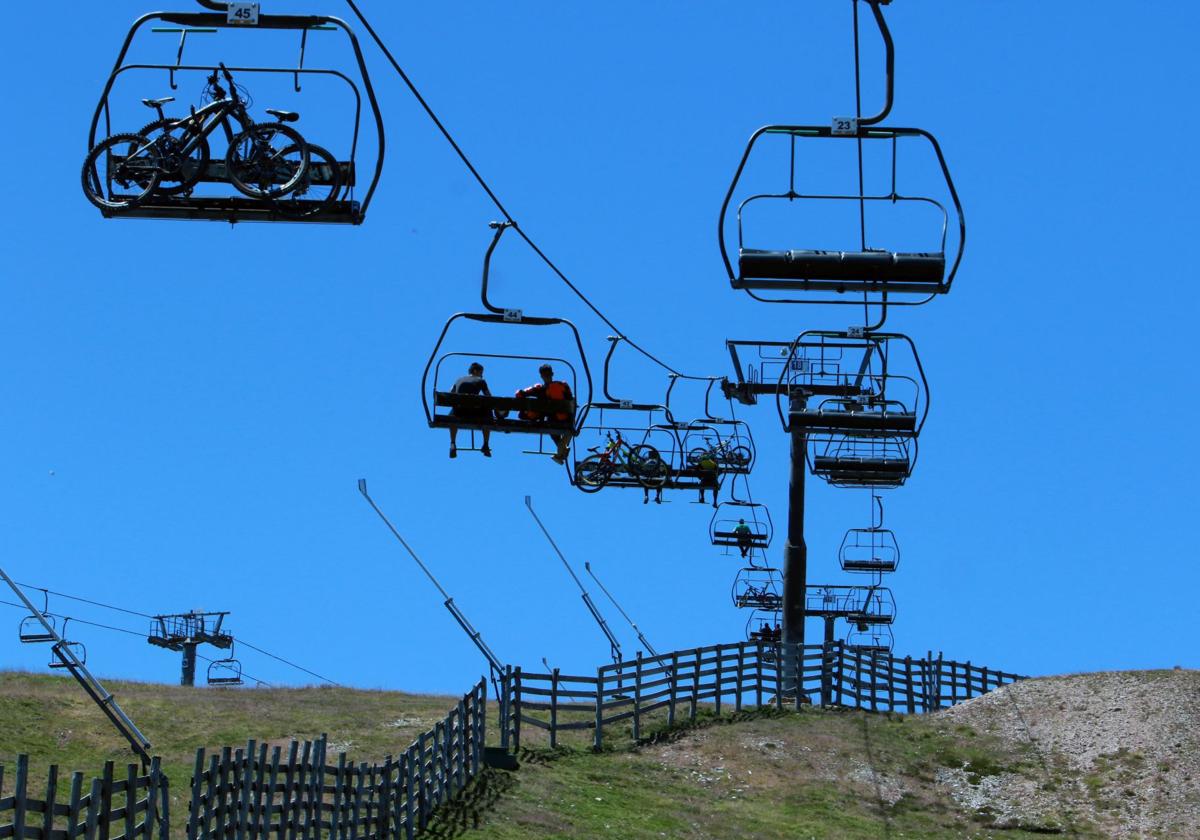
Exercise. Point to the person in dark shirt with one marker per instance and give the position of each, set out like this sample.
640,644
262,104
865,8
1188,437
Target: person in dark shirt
472,384
551,389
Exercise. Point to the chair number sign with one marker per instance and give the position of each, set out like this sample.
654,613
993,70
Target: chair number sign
513,316
625,403
800,365
855,332
844,127
242,14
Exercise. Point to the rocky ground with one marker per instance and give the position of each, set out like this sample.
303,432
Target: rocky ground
1119,751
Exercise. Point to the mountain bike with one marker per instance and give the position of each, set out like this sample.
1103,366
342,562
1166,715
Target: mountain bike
169,156
724,453
643,462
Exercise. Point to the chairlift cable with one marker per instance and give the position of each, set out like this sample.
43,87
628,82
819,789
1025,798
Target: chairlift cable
85,600
496,200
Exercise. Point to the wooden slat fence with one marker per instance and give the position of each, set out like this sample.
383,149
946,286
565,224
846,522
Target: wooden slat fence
264,793
258,793
126,806
664,689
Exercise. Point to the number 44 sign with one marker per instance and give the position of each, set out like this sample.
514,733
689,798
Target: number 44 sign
244,14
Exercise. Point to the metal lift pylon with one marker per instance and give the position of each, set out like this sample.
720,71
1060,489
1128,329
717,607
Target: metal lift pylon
494,663
99,694
613,643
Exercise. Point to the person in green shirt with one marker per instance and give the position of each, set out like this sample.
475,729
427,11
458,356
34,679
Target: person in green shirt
744,536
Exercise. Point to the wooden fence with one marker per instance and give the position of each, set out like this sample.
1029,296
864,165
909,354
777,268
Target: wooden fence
132,807
261,793
660,690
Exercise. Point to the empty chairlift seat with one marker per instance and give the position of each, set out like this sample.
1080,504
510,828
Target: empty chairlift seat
838,270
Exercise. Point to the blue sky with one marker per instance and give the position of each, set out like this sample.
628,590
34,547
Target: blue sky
188,406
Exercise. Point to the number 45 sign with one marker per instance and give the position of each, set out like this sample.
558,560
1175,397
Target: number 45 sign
244,14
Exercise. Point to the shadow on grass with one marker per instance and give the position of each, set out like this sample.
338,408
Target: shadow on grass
669,734
466,811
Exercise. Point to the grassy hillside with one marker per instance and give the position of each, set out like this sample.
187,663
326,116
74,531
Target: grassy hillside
51,719
810,774
1085,757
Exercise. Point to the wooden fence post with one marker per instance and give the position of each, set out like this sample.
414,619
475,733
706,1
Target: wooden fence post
908,686
515,709
637,698
673,689
758,686
553,708
21,792
739,682
73,808
598,736
695,681
720,684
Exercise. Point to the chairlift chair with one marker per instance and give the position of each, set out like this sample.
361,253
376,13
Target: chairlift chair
853,266
225,672
78,650
758,588
869,462
873,550
860,383
500,413
647,429
731,449
32,631
862,604
870,638
729,514
765,626
872,605
327,192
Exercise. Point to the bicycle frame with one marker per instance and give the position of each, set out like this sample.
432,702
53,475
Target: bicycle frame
206,119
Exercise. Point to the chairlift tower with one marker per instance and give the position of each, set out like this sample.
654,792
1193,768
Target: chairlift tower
851,416
184,632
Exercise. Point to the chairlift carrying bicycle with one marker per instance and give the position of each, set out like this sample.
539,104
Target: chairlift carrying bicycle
904,271
316,186
758,588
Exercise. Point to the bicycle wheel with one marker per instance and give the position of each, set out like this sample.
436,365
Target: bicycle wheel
310,198
257,165
128,161
592,473
739,457
694,456
647,466
180,170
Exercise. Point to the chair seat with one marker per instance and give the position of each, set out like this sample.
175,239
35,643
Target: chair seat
860,266
892,422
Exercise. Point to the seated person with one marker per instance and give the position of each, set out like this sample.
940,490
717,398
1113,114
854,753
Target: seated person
472,384
550,389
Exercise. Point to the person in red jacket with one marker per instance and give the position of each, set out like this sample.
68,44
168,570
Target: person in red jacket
550,389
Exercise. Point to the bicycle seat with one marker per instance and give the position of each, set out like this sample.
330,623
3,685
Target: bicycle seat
283,116
593,449
154,103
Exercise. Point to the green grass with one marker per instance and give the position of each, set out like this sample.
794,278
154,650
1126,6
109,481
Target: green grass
769,774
